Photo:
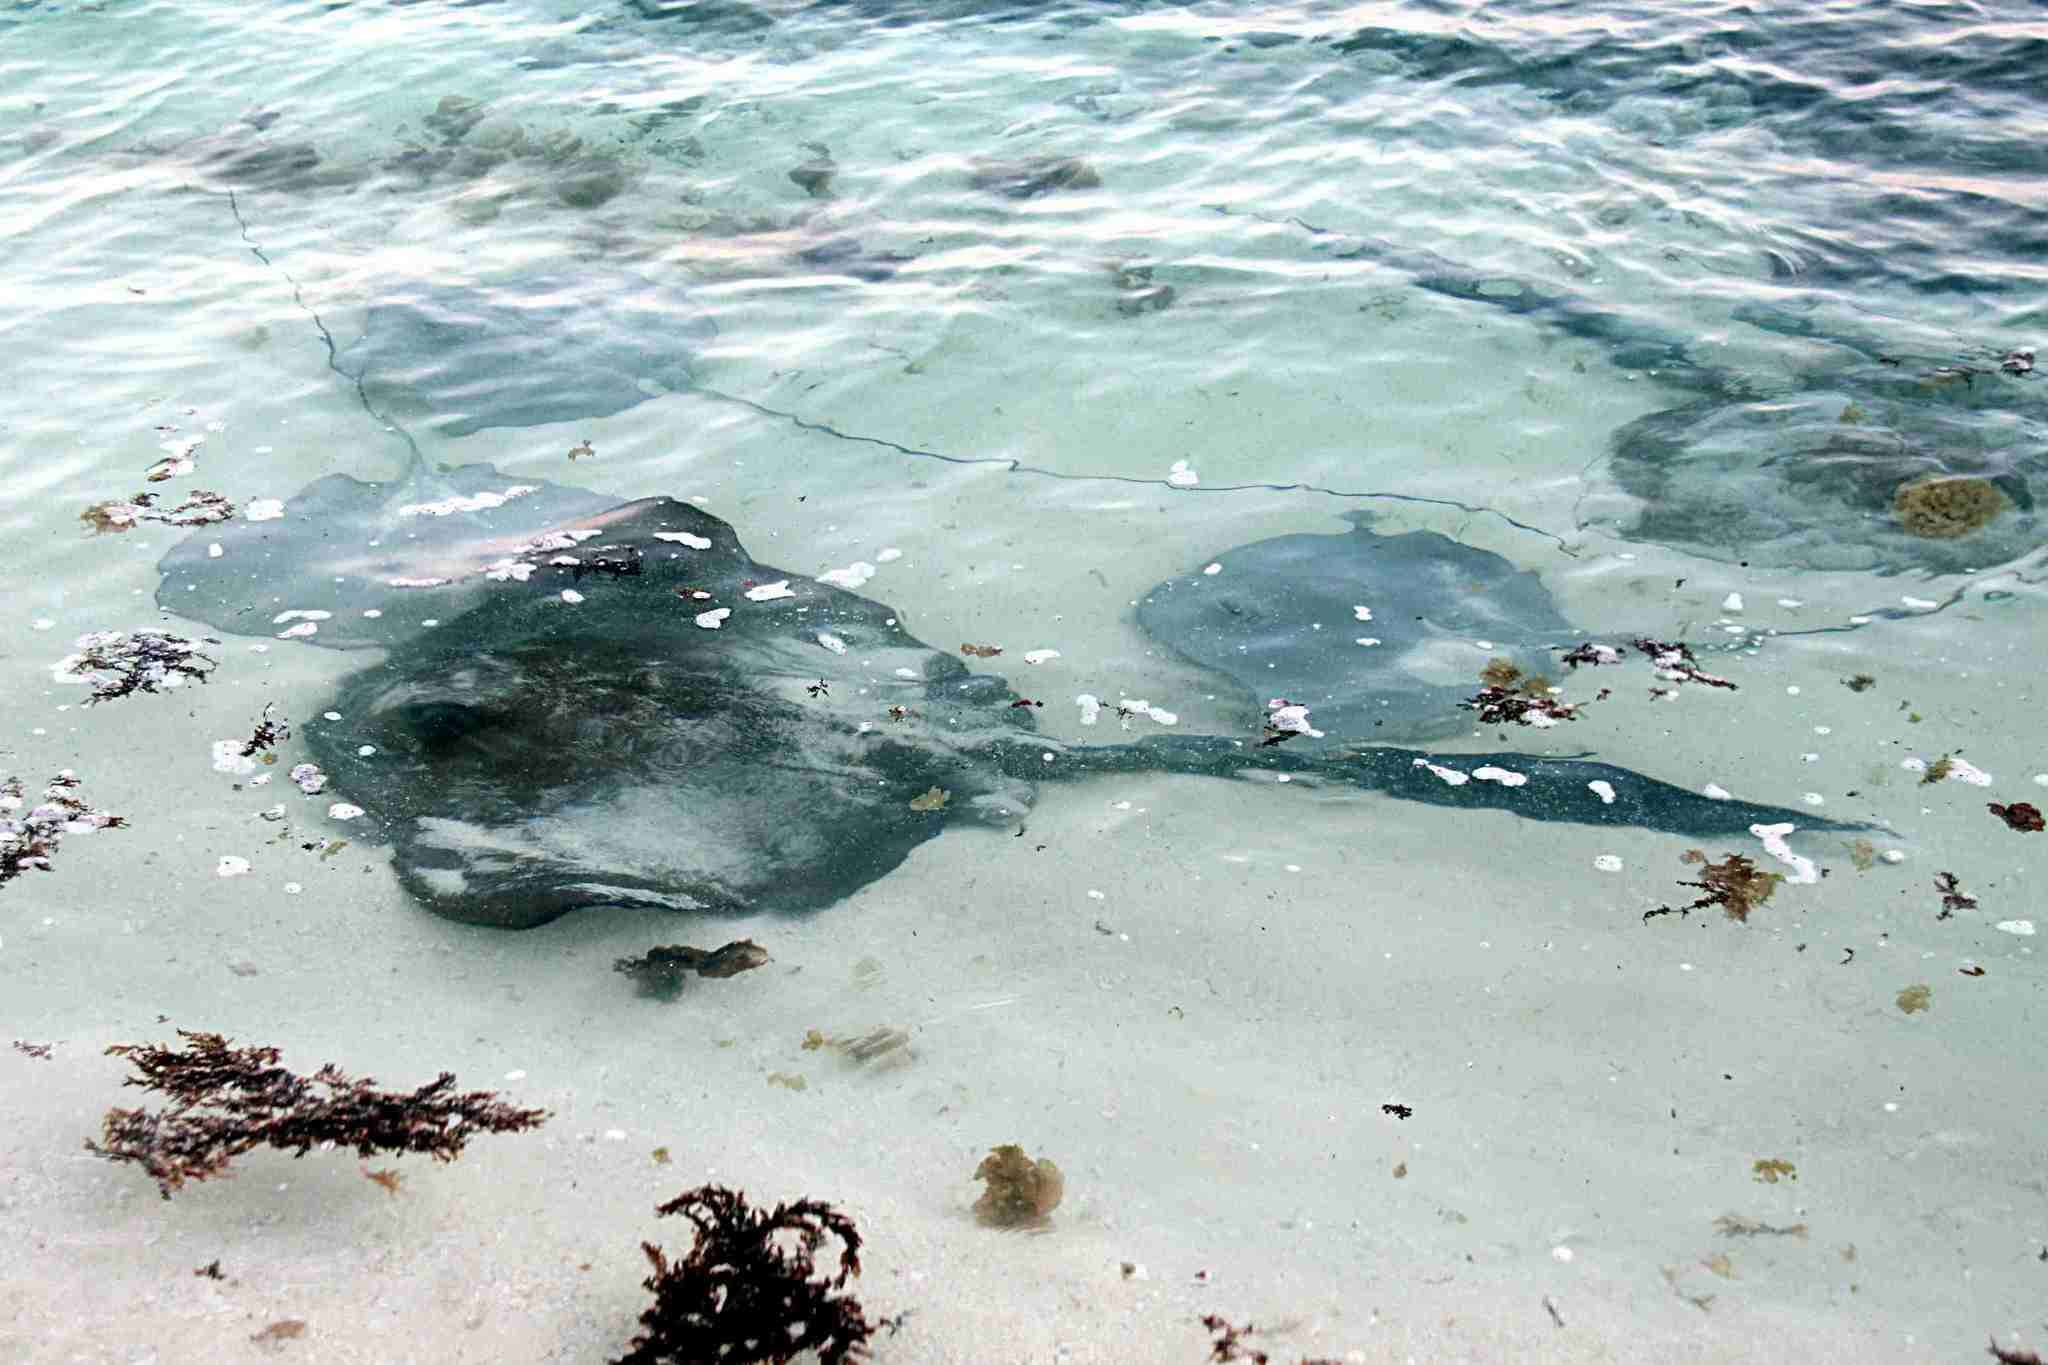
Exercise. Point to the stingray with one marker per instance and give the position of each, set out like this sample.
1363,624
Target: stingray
633,711
1380,636
1826,468
540,350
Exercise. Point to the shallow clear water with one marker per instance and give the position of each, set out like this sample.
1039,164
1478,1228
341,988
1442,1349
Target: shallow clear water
1450,267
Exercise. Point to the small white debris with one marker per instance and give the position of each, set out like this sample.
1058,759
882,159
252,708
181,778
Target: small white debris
1919,603
214,551
299,631
1607,862
308,778
1361,613
614,1135
684,538
371,613
228,758
1506,777
1091,707
1803,873
1563,1254
2023,927
1793,690
1714,791
1893,855
263,509
273,814
1146,708
365,750
769,592
1212,569
909,673
231,866
1814,798
831,642
571,596
342,810
1039,656
330,715
508,570
1095,895
713,619
1367,640
1450,775
1732,602
851,577
1913,765
418,583
1603,790
41,623
1182,475
2041,779
300,614
1289,718
515,1075
1790,603
293,888
888,556
1962,770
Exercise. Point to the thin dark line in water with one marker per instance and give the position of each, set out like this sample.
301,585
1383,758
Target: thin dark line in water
355,381
1015,466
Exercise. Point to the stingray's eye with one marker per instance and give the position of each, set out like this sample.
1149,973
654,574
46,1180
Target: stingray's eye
437,724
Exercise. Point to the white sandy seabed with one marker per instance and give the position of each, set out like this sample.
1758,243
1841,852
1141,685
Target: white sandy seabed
1196,996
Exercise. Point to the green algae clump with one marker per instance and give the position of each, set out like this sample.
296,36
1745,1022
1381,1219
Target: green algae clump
1947,508
1020,1192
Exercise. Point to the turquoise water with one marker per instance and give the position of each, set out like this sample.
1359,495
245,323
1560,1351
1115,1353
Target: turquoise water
1663,305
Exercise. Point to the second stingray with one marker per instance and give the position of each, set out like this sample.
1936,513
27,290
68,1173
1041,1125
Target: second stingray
1380,635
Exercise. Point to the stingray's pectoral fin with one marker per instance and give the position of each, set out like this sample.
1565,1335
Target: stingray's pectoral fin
483,876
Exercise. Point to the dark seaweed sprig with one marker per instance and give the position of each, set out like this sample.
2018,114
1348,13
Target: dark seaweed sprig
119,663
1674,659
29,840
227,1101
663,971
1229,1344
1501,706
743,1297
268,734
1953,898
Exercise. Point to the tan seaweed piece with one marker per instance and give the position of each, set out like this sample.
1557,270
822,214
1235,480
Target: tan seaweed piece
1915,999
1020,1192
1947,508
1734,884
933,799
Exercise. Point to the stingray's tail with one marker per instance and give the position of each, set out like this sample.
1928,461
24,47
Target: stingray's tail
1564,789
